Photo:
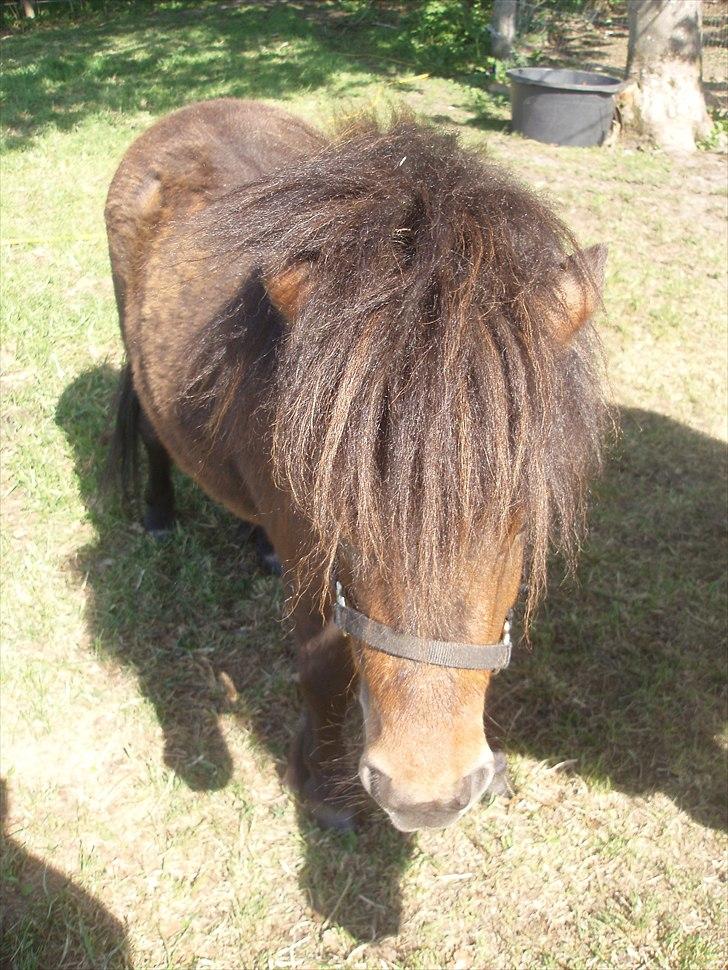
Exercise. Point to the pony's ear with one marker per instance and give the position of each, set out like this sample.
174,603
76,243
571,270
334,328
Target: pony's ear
287,290
579,288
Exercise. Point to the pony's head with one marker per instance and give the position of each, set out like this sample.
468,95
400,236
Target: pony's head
437,410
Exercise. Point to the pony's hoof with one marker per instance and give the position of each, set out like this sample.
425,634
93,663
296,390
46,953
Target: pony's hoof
159,535
314,796
335,818
332,819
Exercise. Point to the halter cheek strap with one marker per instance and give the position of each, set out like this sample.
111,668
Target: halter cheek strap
441,653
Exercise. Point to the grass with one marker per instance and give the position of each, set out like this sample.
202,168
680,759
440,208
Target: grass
148,692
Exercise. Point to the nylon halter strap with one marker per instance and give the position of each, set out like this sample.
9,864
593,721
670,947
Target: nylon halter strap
441,653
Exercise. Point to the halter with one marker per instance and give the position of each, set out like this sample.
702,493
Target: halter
441,653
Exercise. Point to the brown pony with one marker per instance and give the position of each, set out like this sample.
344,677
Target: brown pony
377,349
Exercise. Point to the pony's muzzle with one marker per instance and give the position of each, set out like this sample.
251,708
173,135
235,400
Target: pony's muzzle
408,815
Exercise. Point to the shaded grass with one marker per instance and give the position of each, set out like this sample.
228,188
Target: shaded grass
151,787
629,665
153,60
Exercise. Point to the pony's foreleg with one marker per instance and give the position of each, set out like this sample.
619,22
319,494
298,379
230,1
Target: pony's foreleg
317,768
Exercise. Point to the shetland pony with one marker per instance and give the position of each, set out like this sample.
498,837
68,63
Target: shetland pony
376,347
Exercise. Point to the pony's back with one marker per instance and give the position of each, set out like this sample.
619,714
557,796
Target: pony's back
184,162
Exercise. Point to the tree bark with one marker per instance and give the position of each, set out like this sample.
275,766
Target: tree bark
664,102
503,27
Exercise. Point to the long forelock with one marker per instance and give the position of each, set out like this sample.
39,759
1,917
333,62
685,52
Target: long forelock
421,400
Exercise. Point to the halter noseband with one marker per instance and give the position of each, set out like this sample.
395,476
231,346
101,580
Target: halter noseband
442,653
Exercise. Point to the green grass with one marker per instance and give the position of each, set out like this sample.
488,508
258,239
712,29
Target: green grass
146,824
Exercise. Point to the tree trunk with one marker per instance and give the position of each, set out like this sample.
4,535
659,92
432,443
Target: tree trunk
664,103
29,8
503,27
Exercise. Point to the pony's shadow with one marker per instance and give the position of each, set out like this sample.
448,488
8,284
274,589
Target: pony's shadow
200,626
626,674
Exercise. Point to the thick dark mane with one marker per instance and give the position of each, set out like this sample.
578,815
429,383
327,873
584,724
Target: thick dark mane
421,401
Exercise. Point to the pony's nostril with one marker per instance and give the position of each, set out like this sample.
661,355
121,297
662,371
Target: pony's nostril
464,795
480,779
472,786
374,780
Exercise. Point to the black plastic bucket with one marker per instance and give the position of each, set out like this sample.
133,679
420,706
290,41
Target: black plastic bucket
562,107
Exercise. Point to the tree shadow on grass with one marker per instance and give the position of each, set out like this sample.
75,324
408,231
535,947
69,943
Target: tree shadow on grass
159,60
47,921
627,669
191,616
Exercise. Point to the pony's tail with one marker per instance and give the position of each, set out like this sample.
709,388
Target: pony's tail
122,463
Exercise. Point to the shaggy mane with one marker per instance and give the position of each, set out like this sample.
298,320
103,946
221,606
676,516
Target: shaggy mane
421,401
